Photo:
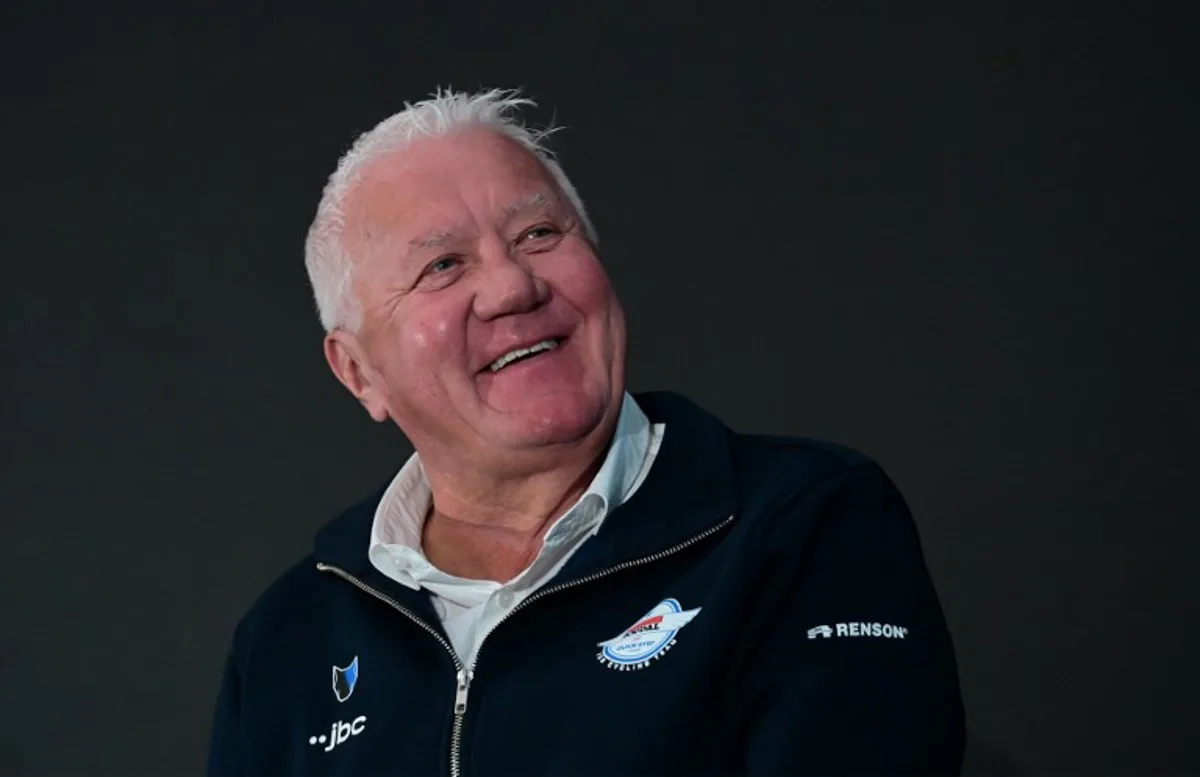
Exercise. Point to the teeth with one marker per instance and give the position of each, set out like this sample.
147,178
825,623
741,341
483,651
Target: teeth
512,356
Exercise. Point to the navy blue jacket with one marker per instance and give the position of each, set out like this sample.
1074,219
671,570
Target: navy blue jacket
763,603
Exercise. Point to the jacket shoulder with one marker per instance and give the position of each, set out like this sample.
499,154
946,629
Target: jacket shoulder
775,465
293,599
285,599
764,471
814,449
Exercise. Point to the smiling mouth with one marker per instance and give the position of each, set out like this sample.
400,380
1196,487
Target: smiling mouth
519,354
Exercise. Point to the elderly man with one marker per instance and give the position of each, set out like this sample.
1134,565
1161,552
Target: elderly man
565,579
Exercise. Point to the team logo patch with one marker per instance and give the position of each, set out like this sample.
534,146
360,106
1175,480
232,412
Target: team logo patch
648,639
344,680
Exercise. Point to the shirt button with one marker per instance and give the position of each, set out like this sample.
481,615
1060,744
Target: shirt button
506,599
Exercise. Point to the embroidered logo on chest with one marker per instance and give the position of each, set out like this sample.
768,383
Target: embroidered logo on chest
646,640
344,680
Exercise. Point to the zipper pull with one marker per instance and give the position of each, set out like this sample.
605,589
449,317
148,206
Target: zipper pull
460,694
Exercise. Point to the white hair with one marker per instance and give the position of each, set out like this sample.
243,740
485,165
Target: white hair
325,255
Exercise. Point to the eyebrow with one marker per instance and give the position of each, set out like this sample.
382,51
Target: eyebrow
443,238
520,207
434,240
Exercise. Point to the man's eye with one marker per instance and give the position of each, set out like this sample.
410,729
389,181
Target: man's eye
441,265
539,232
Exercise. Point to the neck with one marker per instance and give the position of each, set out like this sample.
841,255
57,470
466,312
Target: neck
519,504
490,527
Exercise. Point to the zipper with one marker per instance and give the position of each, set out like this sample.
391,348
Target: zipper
618,568
465,674
462,676
463,685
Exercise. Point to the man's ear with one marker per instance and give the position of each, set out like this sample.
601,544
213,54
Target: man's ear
347,360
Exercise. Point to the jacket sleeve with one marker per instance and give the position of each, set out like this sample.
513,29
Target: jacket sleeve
224,752
849,667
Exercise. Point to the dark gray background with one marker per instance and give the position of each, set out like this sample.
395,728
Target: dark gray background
957,239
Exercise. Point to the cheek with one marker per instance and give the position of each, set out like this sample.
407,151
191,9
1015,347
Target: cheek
585,285
586,288
428,337
427,342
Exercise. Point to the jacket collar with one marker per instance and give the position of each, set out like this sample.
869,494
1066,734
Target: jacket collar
690,489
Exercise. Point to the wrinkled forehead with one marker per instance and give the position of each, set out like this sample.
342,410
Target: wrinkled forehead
427,184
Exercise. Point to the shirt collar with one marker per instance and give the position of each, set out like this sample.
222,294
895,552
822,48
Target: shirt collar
619,472
395,544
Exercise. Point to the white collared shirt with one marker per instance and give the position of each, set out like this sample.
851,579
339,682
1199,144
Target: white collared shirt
469,609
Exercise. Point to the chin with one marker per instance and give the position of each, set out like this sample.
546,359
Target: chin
552,419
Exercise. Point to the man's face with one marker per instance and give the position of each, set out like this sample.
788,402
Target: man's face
465,250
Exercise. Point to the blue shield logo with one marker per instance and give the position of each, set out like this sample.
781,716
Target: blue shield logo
344,680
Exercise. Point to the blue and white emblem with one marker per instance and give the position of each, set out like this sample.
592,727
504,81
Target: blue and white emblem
646,640
344,679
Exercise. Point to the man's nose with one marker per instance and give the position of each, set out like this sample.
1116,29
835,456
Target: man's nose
508,284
